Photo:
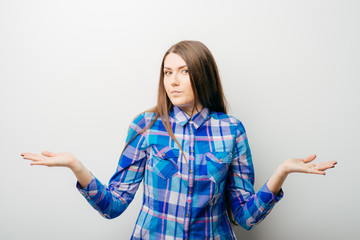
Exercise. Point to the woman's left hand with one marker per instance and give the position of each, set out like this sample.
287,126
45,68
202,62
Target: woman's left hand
293,165
304,165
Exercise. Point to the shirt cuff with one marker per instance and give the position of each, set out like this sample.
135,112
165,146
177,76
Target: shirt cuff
91,189
268,197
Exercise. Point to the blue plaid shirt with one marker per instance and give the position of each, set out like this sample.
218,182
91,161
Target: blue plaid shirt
185,199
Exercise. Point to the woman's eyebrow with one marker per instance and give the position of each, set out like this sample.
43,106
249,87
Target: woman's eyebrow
177,68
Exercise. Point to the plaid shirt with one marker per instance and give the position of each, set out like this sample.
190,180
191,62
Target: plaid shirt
185,199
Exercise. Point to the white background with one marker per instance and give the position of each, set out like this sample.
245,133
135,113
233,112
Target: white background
74,74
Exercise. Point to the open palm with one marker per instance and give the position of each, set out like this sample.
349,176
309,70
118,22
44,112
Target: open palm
304,165
50,159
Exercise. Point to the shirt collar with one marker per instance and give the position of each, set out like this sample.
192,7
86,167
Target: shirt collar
198,119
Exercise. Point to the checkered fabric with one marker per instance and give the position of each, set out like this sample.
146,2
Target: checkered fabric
185,198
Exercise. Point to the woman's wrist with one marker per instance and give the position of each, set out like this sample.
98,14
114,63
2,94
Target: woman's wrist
82,174
278,178
283,170
76,166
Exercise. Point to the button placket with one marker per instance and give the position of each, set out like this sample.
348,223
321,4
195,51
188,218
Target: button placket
190,173
192,156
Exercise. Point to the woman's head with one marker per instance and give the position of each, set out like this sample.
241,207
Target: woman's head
177,83
192,81
190,64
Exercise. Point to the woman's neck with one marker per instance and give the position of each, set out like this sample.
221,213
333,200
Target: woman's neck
190,111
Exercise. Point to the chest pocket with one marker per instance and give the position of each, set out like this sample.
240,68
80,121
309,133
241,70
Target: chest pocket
217,165
164,161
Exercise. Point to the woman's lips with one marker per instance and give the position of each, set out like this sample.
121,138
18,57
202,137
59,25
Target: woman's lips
175,92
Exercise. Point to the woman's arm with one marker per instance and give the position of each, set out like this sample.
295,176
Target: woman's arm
299,165
82,174
250,208
110,201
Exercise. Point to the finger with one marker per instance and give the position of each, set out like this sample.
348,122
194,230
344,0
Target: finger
32,156
48,154
43,161
314,171
325,165
38,163
35,158
309,158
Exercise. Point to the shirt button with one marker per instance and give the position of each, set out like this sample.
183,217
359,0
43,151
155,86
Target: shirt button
192,151
191,132
187,215
189,192
220,159
163,154
191,171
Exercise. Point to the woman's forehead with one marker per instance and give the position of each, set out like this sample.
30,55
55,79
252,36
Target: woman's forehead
173,60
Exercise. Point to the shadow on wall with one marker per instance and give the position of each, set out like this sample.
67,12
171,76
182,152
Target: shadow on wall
244,234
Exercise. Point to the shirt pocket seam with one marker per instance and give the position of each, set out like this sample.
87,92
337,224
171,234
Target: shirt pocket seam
163,163
216,163
219,157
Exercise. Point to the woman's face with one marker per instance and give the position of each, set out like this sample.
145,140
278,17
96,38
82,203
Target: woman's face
177,83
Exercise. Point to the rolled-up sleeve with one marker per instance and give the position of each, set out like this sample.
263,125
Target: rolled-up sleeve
249,208
112,200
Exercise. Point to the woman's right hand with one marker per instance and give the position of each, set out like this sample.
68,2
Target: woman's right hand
51,159
62,159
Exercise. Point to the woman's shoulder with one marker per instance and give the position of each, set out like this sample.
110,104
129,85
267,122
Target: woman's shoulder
225,117
146,114
229,119
143,118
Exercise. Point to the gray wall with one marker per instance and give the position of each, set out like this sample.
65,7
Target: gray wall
74,73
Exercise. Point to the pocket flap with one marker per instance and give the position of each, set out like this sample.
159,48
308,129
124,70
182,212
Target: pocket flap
219,157
217,165
164,161
165,152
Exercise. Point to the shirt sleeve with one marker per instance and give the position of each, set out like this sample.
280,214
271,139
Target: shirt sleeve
249,208
112,200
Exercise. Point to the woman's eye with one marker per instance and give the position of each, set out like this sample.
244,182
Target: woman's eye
167,73
185,71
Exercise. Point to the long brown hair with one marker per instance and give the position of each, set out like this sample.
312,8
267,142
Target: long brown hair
205,82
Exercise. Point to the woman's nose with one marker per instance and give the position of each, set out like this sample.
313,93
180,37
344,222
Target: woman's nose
175,80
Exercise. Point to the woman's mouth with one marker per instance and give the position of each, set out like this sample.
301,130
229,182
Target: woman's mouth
175,92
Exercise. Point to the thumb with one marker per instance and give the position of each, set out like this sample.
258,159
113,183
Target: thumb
48,154
309,158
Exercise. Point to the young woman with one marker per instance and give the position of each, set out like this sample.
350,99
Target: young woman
194,159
